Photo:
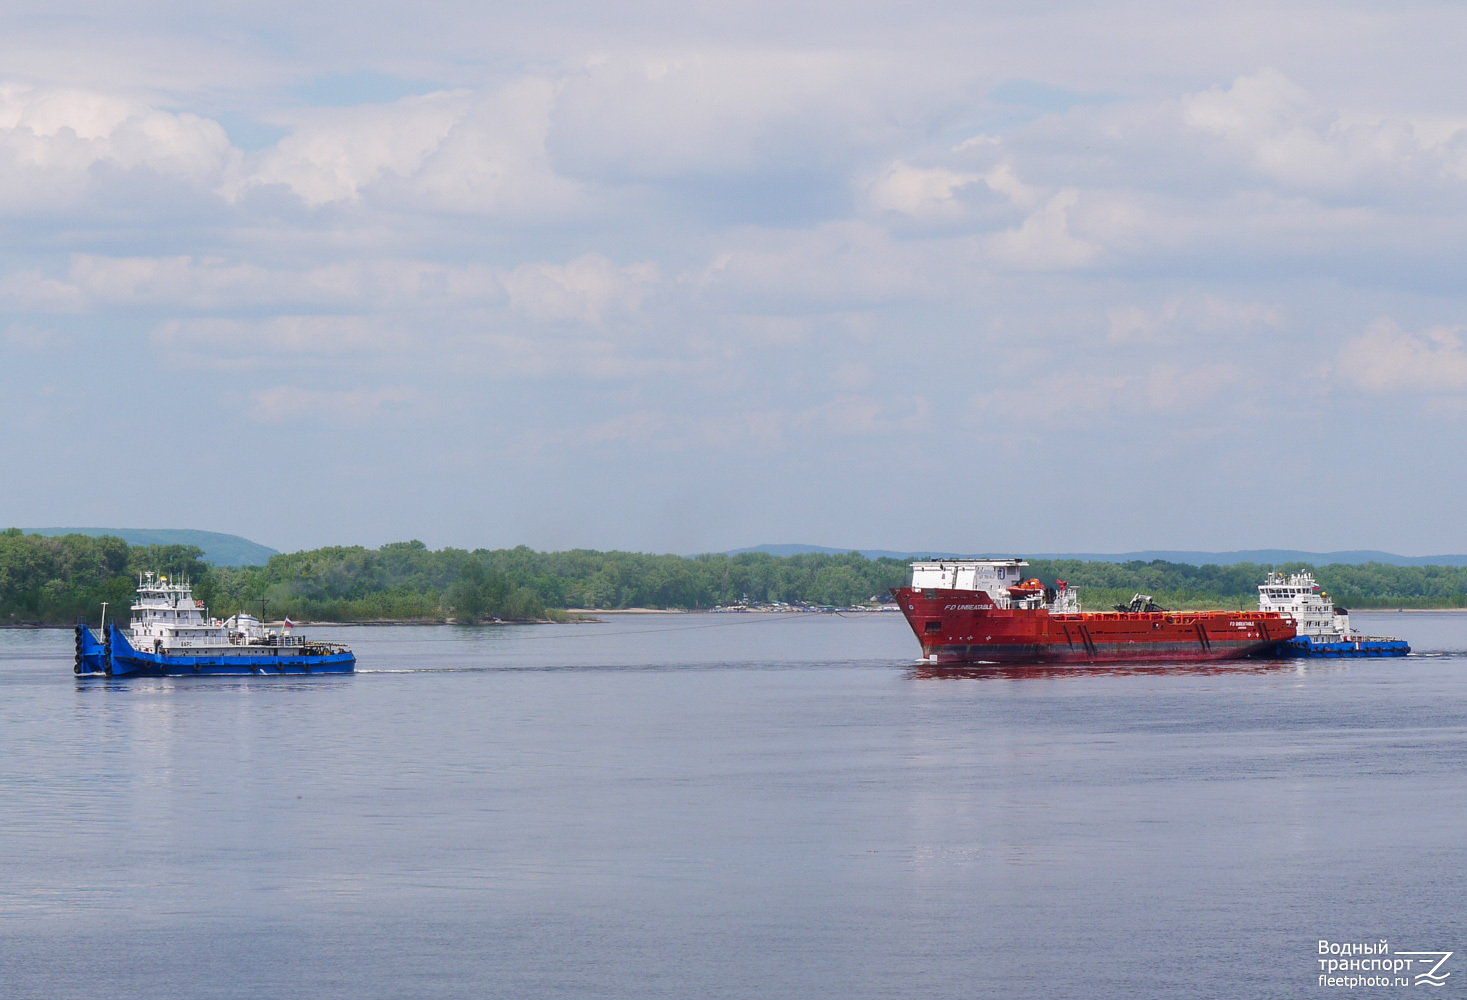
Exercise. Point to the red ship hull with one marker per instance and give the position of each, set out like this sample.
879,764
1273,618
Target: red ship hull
964,626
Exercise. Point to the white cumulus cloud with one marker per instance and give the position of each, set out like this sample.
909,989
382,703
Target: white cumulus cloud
1285,134
1386,358
51,139
460,151
921,192
1044,240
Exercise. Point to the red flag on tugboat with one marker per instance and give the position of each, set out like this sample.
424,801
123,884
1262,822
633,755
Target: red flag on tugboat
289,623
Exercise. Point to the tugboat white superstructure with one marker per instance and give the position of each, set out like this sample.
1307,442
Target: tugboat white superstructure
1323,629
172,633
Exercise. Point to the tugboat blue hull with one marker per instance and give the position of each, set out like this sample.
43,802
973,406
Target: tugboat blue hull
125,661
1373,646
91,655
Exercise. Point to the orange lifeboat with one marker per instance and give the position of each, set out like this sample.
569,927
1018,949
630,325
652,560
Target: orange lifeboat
1029,588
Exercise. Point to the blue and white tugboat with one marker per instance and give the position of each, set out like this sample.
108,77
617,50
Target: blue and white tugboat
172,634
1323,629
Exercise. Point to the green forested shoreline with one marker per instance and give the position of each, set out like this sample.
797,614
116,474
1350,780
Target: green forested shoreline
56,580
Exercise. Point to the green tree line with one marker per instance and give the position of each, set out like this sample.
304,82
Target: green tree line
406,580
58,580
61,579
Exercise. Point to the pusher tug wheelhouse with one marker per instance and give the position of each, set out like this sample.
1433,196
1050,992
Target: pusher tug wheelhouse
1324,630
171,633
984,611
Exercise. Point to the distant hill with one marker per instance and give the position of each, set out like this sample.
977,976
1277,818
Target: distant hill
1264,556
219,549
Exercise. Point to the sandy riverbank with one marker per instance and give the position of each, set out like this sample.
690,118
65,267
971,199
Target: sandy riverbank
625,611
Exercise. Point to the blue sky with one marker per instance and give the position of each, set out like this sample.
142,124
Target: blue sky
1012,277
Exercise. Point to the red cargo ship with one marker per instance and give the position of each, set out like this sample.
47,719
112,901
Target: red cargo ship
984,611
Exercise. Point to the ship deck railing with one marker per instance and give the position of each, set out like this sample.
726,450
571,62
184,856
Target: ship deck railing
196,648
1146,616
289,641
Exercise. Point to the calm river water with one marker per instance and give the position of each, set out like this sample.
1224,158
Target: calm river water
725,806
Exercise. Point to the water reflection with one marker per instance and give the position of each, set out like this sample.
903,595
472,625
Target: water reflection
209,682
1033,671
